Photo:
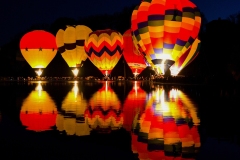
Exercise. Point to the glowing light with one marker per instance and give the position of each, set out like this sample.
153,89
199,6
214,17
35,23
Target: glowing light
106,73
39,72
75,90
173,93
39,89
75,72
135,73
174,71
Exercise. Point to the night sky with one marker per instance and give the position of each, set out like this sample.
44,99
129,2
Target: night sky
19,15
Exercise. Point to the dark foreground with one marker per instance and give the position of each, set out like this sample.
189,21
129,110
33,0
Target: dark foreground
17,142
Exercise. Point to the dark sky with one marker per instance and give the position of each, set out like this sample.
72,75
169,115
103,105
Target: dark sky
18,15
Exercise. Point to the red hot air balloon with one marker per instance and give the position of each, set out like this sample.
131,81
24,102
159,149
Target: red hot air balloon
38,47
135,62
104,49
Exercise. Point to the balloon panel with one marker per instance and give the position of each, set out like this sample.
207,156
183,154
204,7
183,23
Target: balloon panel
38,58
38,39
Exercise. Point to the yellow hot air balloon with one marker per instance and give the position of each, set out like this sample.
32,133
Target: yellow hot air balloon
38,47
70,43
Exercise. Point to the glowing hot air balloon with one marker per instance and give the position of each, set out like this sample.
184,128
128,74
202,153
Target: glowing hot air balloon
134,61
186,58
165,29
38,47
70,43
104,49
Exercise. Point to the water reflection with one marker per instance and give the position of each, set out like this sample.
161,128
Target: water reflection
134,103
167,128
104,112
71,116
162,123
38,110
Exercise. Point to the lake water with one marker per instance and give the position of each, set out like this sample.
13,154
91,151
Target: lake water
118,120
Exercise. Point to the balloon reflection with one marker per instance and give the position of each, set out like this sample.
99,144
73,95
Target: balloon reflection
71,117
167,128
104,112
38,111
134,103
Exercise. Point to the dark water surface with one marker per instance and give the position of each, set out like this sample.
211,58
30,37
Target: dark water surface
118,120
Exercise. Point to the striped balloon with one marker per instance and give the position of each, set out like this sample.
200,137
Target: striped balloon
186,58
165,29
70,43
134,61
104,48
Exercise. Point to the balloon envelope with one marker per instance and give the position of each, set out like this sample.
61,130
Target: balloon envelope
104,49
70,43
38,47
135,62
165,29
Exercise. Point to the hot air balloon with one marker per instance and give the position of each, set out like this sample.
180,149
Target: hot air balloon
71,116
186,58
104,49
38,111
135,62
38,48
165,29
70,43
